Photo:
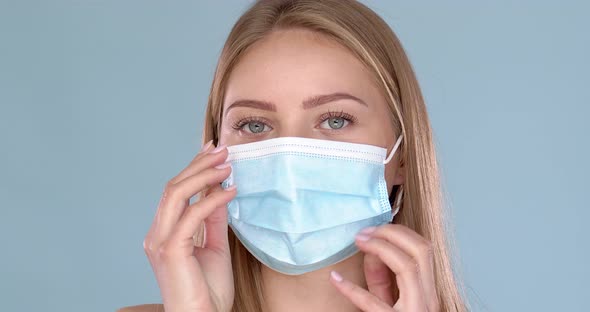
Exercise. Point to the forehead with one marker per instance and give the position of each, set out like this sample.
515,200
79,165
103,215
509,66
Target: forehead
297,63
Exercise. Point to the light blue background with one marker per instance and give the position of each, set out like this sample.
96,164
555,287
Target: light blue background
102,102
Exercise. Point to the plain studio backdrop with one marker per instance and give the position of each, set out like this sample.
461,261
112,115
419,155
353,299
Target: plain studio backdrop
102,103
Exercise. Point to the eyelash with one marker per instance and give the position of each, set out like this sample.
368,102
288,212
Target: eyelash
341,114
240,123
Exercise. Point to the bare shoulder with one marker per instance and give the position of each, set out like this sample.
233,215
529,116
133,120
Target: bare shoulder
151,307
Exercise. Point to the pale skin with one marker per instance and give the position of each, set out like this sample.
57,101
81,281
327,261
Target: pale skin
283,71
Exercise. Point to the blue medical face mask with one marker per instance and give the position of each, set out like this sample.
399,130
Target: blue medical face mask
300,202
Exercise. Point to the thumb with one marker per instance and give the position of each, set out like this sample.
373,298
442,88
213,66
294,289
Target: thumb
378,278
215,231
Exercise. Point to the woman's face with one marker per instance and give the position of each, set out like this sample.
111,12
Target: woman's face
297,83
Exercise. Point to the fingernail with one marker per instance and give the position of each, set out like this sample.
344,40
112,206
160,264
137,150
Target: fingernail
368,230
223,166
335,276
206,145
218,149
231,188
363,237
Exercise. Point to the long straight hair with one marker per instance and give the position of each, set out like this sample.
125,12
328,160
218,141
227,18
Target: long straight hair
371,40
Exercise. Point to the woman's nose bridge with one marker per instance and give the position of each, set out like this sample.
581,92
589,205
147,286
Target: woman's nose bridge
295,133
294,124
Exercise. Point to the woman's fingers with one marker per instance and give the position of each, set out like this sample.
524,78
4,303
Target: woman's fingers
360,297
207,158
405,269
179,190
215,225
378,277
197,212
409,256
177,197
420,249
185,280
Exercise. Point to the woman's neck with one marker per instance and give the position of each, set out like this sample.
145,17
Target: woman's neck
311,291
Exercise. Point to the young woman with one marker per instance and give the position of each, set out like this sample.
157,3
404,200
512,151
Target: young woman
328,70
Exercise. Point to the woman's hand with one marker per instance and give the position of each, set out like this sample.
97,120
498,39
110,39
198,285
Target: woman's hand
399,249
192,278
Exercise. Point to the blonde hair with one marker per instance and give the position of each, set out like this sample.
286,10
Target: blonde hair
372,41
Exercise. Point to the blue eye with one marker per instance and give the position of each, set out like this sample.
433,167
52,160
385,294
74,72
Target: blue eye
334,123
255,127
336,120
252,125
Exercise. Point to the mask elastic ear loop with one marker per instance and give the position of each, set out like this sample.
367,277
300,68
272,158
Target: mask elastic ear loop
398,201
399,141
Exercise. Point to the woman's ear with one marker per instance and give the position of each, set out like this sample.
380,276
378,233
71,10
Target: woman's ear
400,175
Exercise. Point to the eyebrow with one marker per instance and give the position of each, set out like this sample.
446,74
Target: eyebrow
253,104
326,98
308,103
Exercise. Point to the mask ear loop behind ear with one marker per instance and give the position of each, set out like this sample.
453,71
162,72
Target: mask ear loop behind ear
398,201
397,143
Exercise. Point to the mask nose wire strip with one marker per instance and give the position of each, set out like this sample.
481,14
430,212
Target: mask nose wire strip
399,140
